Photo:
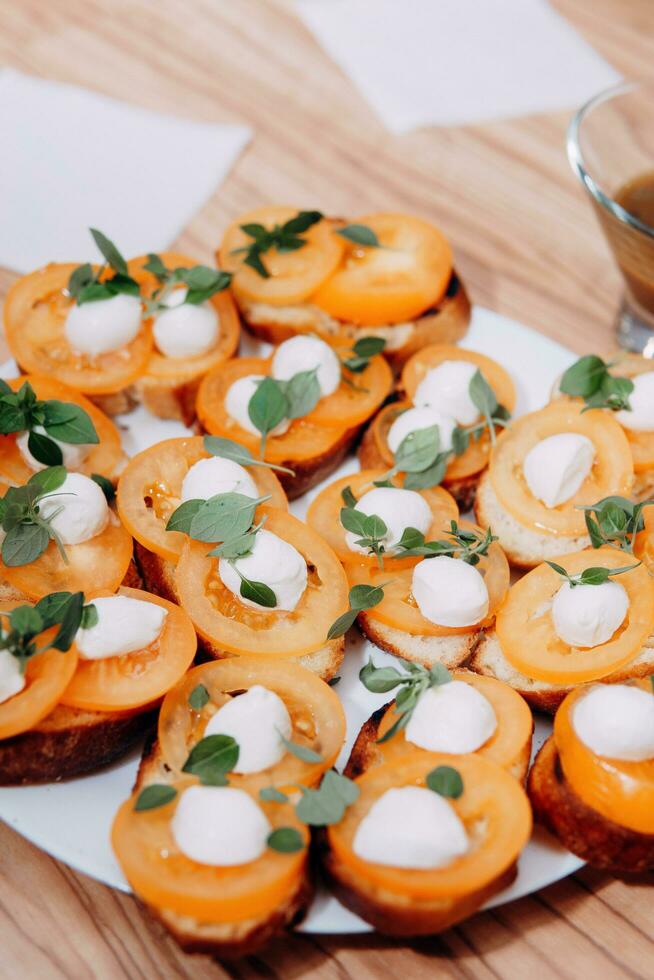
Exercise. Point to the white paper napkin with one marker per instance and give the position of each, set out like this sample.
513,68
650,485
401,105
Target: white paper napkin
450,62
71,158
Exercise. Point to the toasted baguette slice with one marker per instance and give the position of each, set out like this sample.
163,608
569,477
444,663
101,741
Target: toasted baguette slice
9,594
588,834
308,473
524,547
365,753
451,651
159,578
463,490
164,398
444,324
71,742
489,659
227,940
397,915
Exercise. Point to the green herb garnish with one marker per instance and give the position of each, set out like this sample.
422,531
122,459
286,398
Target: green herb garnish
27,532
153,796
85,286
21,411
198,697
417,680
302,752
201,283
469,546
275,400
589,378
360,235
227,449
361,597
63,609
590,576
446,781
212,758
614,522
370,527
284,238
286,840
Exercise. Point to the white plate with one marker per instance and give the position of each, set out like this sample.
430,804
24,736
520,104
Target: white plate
71,820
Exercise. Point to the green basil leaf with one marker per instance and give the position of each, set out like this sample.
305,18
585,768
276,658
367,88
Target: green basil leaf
154,796
253,259
52,607
105,485
49,480
302,393
212,758
94,292
79,278
438,675
26,620
341,625
285,840
225,516
156,267
348,497
69,423
237,547
23,544
369,346
418,450
271,795
360,235
268,406
365,596
353,520
374,527
433,476
258,592
90,617
380,680
446,781
302,752
44,449
70,622
583,378
301,222
180,519
198,697
482,395
228,449
109,252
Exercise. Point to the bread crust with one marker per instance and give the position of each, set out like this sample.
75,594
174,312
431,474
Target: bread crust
446,323
159,578
309,472
489,659
9,594
588,834
71,742
165,398
451,651
396,915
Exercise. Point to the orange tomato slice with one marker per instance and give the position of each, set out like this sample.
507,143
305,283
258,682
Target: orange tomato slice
399,609
397,282
176,368
303,440
294,276
164,877
150,487
47,675
514,725
324,516
103,458
430,357
493,808
612,472
135,679
94,566
472,461
316,714
545,656
222,619
621,791
34,316
358,397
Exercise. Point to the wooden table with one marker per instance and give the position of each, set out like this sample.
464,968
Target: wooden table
526,244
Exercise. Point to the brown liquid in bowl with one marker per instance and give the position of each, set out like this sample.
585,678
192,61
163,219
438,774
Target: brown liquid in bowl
634,249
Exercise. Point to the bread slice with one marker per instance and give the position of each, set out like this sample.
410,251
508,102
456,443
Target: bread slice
399,915
226,940
445,323
489,659
10,595
365,753
159,578
523,546
307,473
588,834
71,742
451,651
463,490
165,398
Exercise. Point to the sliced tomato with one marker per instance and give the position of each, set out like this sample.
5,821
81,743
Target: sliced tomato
180,369
150,487
34,316
399,609
612,472
493,808
505,747
293,276
164,877
622,791
103,458
324,515
304,440
316,714
93,566
430,357
47,675
397,282
220,617
142,677
358,397
546,657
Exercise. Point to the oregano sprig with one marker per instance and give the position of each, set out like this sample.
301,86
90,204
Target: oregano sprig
275,400
27,532
591,576
370,527
361,597
590,378
85,286
228,449
22,411
412,684
319,807
469,546
614,522
212,758
201,281
285,238
20,628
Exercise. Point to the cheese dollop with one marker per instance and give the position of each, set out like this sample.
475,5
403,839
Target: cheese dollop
185,329
304,353
557,466
410,827
82,506
272,561
641,399
399,509
73,455
257,720
219,825
104,325
446,389
587,615
124,625
415,419
12,678
616,721
449,591
453,717
237,400
209,477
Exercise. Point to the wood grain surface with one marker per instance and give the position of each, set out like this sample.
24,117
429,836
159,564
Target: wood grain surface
528,246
